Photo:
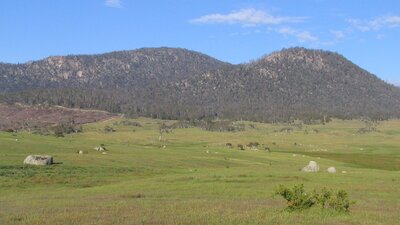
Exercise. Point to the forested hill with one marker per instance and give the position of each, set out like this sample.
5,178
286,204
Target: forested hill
110,70
172,83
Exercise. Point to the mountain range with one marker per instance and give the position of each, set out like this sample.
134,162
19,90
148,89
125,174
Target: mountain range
175,83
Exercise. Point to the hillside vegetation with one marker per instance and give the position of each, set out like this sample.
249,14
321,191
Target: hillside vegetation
170,83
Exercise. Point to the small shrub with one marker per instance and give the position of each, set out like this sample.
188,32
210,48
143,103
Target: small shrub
9,130
252,126
63,128
41,131
286,129
338,200
298,199
229,145
253,144
109,129
241,147
128,123
137,195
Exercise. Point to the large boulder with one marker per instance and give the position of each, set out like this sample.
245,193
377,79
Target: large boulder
39,160
331,170
311,167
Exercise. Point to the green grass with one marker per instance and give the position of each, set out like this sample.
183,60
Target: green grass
196,179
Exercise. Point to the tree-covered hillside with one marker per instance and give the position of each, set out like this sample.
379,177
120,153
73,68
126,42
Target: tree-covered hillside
181,84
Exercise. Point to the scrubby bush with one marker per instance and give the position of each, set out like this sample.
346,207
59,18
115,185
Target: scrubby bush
252,126
62,129
336,200
253,144
41,131
369,126
9,130
128,123
298,199
109,129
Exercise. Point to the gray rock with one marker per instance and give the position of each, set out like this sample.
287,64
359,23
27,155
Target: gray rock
331,170
311,167
39,160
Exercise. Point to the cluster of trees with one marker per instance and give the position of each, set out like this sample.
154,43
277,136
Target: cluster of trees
210,125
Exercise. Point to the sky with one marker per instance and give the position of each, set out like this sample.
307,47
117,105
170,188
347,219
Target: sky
366,32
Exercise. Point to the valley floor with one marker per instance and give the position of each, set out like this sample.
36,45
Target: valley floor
192,177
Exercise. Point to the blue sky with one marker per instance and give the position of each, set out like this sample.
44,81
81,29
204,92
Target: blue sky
366,32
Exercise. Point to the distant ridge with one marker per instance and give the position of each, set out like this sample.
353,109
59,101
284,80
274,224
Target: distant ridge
175,83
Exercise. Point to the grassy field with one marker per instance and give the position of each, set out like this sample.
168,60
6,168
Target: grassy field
196,178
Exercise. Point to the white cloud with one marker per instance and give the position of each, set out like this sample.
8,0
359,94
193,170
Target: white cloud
338,34
359,25
113,3
376,24
287,31
380,36
301,36
306,36
395,82
247,17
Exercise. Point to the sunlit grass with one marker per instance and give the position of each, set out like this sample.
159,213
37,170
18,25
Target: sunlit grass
195,178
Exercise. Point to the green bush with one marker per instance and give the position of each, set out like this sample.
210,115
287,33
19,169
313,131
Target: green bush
336,200
298,199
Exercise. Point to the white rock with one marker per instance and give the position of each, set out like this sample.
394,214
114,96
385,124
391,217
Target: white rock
331,170
39,160
100,149
311,167
80,152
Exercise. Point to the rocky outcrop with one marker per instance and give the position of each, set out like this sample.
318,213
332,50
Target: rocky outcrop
311,167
